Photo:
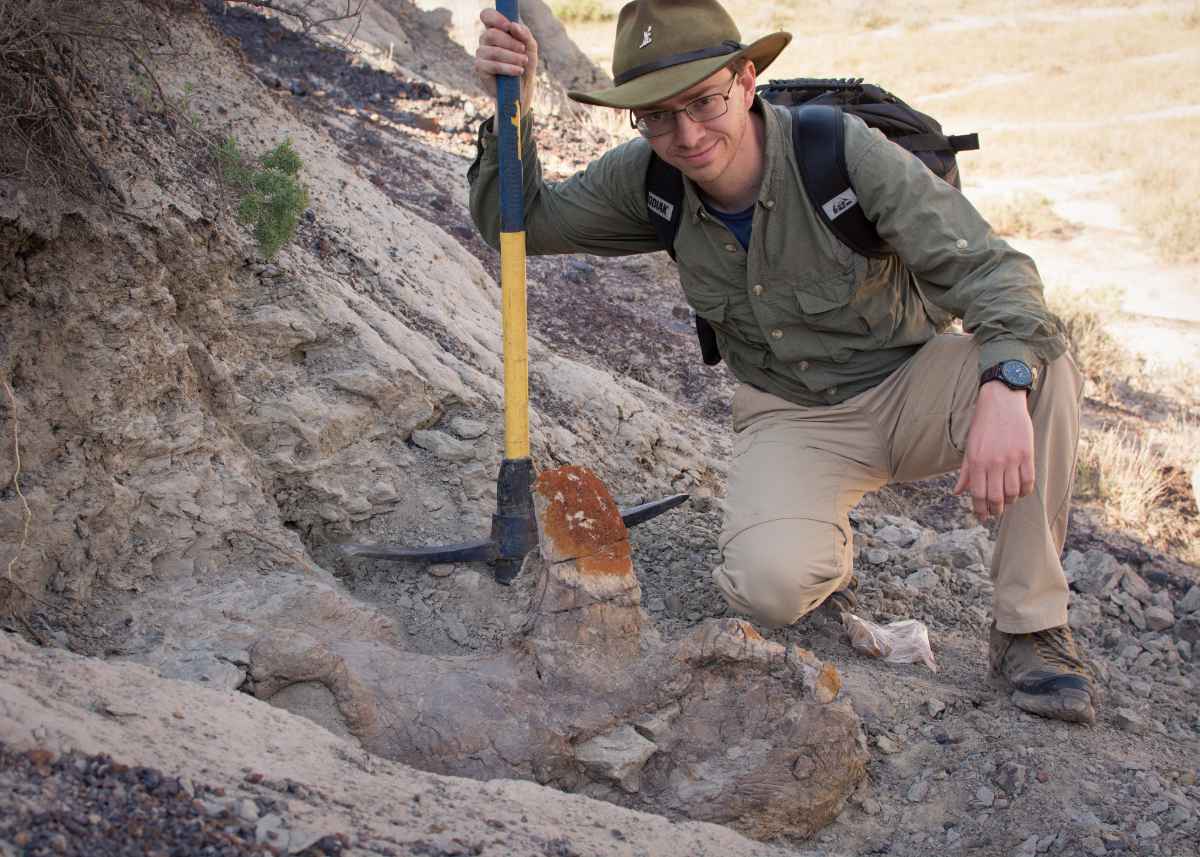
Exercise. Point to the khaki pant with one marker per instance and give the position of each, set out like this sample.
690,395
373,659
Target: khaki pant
797,471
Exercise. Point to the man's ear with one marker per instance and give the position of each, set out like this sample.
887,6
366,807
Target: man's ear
748,77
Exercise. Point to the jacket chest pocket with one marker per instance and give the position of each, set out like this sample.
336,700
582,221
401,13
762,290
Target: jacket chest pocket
826,303
859,301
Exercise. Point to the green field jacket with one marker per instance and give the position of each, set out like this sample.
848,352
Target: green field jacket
799,314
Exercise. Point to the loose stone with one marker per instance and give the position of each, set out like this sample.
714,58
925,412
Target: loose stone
918,791
1130,721
886,745
1189,603
1158,618
1148,830
247,810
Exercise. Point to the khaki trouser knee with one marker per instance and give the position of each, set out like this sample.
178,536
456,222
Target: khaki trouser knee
779,570
797,472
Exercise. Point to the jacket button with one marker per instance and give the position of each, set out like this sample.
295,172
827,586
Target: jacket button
732,248
758,289
777,333
803,365
961,243
833,391
769,203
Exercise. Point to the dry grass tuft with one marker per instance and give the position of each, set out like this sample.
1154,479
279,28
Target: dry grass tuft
1143,482
876,20
1164,207
1123,473
1178,438
582,11
1028,215
1100,357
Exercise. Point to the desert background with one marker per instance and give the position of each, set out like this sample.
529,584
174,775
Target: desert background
202,397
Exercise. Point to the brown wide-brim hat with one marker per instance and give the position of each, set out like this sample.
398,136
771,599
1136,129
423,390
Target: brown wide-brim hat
666,46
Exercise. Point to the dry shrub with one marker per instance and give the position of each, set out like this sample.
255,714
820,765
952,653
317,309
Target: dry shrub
40,64
46,50
309,15
1028,215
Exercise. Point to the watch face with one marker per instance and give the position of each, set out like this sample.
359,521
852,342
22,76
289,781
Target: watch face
1016,374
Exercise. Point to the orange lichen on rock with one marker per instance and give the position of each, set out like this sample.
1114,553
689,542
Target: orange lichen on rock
828,684
576,514
615,560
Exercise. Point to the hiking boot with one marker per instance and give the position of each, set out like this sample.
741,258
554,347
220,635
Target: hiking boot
1046,673
843,600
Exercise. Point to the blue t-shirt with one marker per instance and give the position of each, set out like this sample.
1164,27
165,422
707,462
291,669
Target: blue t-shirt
739,223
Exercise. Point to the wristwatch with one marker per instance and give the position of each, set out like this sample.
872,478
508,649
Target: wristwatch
1012,373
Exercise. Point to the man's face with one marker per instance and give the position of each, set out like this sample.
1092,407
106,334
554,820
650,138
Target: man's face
704,150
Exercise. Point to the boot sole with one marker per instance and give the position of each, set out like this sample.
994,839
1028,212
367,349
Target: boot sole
1073,706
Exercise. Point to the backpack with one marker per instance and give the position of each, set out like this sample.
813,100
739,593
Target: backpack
818,139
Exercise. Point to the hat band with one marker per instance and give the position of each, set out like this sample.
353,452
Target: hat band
726,47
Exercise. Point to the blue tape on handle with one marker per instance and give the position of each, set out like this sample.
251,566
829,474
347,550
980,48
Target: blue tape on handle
508,118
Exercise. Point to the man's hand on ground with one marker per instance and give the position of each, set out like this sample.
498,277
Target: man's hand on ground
510,49
998,466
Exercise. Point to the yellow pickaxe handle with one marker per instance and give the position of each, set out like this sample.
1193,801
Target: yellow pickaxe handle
512,258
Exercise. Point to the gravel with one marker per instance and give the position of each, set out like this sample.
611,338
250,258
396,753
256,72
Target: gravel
92,806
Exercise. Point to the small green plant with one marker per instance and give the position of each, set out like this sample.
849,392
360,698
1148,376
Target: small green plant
143,89
270,197
184,105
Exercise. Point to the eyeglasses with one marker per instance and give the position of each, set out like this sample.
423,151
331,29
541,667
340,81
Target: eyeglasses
703,109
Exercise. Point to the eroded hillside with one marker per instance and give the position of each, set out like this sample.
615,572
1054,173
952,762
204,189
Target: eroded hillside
198,428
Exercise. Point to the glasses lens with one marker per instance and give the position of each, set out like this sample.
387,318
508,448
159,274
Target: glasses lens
655,124
707,107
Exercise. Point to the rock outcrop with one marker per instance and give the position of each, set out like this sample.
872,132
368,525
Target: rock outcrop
720,726
322,784
185,412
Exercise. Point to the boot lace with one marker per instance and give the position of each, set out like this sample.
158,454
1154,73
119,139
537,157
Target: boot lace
1056,646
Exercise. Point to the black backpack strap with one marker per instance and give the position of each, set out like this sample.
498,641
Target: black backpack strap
664,200
963,142
818,137
664,205
938,142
